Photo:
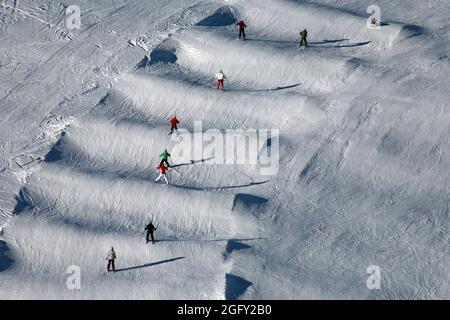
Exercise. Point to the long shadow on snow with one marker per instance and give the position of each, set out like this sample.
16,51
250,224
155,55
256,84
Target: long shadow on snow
149,264
192,162
222,17
359,44
297,42
211,240
318,44
5,262
219,188
266,90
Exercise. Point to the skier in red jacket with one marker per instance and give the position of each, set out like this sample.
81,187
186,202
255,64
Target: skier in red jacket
162,173
173,123
242,27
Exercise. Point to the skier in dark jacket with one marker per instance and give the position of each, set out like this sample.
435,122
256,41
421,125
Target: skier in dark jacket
304,36
242,27
150,228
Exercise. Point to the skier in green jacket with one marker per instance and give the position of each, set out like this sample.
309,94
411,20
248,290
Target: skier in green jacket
304,35
164,158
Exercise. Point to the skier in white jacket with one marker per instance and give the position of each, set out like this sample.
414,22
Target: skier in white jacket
220,76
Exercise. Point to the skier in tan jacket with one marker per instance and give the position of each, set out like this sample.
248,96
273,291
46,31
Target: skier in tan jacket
111,257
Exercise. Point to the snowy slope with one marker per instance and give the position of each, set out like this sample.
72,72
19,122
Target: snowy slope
364,161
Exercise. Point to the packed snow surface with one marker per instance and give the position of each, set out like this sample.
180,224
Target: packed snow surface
364,163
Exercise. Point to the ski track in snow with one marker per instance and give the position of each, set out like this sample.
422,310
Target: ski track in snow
226,232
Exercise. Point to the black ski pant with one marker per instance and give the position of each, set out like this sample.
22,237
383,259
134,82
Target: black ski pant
150,235
241,33
111,264
303,41
164,161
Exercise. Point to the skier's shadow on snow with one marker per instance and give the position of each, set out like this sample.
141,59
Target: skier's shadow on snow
298,42
267,90
192,162
220,188
325,41
149,264
359,44
321,44
233,244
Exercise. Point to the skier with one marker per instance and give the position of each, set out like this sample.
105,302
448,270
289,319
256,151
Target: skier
220,76
111,257
173,123
162,172
304,35
164,158
242,27
150,228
